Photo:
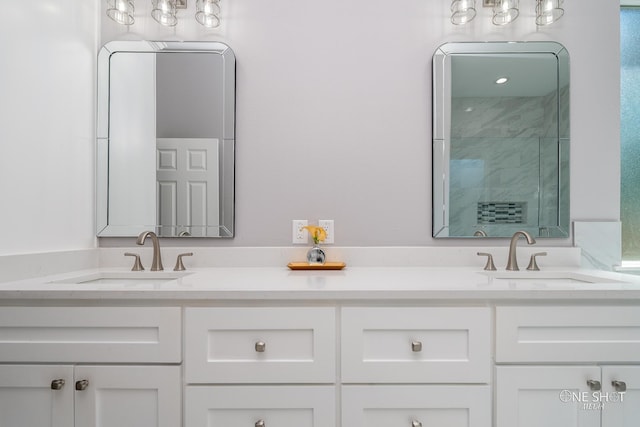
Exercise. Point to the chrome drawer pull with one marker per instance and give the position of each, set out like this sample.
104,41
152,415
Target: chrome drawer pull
416,346
594,385
82,385
57,384
416,423
261,346
260,423
619,386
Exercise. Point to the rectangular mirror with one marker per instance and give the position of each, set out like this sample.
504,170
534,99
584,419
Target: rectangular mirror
500,139
165,139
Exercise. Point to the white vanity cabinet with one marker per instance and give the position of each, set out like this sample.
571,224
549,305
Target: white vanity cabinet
260,366
66,386
565,366
437,358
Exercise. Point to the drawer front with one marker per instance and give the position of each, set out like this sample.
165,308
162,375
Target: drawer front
416,405
282,406
416,345
260,345
567,334
95,335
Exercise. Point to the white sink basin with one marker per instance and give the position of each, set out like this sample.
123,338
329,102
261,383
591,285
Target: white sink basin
548,277
125,278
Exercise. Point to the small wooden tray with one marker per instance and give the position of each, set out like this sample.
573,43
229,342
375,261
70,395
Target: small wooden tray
325,266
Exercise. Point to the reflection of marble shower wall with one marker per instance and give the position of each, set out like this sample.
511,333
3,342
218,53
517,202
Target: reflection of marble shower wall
513,131
494,170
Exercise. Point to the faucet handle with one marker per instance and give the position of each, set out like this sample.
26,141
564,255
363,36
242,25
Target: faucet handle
533,265
179,265
137,265
489,266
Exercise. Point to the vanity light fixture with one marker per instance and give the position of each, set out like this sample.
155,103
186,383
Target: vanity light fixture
506,11
121,11
165,12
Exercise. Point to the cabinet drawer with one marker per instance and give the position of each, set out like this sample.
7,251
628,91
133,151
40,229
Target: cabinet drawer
416,405
416,345
260,345
567,334
96,334
282,406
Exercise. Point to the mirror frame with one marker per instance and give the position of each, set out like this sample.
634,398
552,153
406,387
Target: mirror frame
442,89
225,228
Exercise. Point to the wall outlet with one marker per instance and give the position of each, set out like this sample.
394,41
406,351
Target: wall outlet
327,224
300,235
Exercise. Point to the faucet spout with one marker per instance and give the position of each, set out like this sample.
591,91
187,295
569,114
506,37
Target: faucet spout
512,263
157,258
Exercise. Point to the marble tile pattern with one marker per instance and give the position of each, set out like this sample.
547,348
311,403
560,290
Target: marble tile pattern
600,243
504,150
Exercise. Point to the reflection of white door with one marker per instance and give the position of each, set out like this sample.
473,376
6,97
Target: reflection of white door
188,183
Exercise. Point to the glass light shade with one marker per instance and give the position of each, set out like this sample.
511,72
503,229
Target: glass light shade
548,11
208,13
462,11
164,12
505,12
121,11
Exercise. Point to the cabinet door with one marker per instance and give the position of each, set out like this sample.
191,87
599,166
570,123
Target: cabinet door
415,406
128,396
549,396
621,409
260,406
29,398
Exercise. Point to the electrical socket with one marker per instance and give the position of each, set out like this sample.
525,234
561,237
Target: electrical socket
300,235
327,224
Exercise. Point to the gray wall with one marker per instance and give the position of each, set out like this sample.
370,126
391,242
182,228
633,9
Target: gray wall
334,110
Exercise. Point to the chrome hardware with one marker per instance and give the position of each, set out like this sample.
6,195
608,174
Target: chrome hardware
594,385
619,386
416,423
512,263
184,234
261,346
57,384
82,385
489,266
137,265
533,265
157,258
179,265
480,233
260,423
416,346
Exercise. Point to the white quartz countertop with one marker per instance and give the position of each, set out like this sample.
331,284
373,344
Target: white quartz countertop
352,283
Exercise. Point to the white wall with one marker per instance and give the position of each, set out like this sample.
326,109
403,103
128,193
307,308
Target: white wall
334,110
46,125
334,115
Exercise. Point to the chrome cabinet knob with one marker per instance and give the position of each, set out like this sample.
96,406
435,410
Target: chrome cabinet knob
82,385
261,346
594,385
416,423
619,386
57,384
260,423
416,346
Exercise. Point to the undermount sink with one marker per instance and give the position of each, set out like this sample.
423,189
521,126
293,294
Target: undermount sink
549,277
124,277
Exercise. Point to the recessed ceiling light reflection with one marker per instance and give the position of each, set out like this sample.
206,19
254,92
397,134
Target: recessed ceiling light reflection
502,80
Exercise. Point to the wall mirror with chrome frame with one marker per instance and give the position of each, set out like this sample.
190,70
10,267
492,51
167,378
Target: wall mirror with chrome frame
500,139
165,139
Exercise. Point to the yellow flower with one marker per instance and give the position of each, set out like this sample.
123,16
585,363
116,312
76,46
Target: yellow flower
318,234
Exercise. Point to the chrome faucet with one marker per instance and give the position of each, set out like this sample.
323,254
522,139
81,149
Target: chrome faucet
157,258
512,263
